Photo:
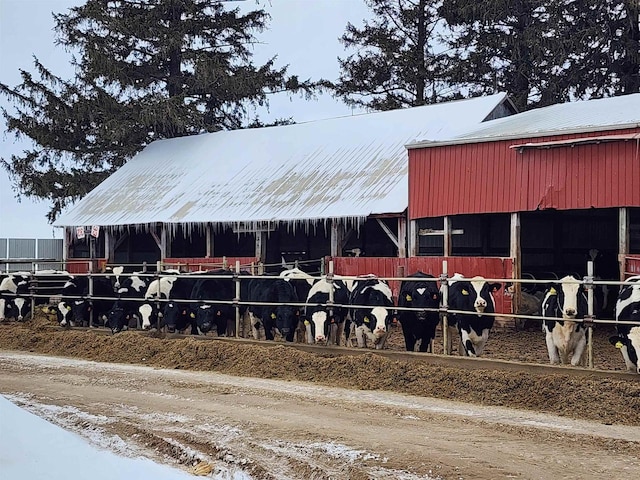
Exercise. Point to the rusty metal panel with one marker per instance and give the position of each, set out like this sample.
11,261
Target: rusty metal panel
492,177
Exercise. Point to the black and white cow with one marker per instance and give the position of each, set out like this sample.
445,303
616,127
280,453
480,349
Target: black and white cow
71,292
275,315
628,335
473,295
100,303
419,325
14,296
566,339
214,309
124,312
178,315
158,289
370,323
325,324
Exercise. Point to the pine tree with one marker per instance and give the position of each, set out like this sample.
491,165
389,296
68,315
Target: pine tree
145,70
397,61
544,52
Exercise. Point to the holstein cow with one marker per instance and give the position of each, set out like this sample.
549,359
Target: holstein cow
9,287
100,303
124,312
628,335
419,325
325,324
473,295
274,316
158,289
177,313
215,309
566,339
71,292
14,292
370,323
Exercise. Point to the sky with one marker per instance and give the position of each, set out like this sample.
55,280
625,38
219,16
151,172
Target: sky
302,33
32,448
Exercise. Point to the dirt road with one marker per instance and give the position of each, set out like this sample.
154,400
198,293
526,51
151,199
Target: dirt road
274,429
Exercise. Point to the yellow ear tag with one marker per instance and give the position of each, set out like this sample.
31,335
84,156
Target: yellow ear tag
619,345
408,297
192,315
273,316
366,319
69,307
464,292
306,322
552,291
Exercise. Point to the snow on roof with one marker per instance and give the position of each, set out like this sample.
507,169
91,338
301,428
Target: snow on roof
613,113
346,167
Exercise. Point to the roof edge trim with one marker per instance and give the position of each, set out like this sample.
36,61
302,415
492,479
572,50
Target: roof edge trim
548,133
577,141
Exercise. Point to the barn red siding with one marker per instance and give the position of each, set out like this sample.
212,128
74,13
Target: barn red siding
632,266
490,177
210,263
488,267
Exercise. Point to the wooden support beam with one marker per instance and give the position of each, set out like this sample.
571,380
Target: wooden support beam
412,238
447,236
209,239
402,237
261,246
516,258
388,231
337,238
623,240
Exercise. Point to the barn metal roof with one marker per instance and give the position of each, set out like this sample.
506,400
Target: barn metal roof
347,167
604,114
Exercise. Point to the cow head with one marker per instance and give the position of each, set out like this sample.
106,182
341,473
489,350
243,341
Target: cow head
21,308
570,299
148,314
81,311
64,312
377,322
118,317
419,295
474,295
210,316
628,310
176,316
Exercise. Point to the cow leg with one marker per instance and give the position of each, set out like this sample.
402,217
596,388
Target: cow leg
578,358
308,332
339,332
554,357
253,321
334,333
409,338
360,337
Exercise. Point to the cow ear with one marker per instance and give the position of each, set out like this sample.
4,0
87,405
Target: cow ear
616,341
495,287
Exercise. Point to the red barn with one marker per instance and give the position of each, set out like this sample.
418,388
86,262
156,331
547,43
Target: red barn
546,189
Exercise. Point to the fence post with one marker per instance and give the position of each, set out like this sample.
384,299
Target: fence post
588,280
33,287
90,282
444,287
237,299
333,331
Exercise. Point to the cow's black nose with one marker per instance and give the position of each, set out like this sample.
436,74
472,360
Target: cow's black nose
205,327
